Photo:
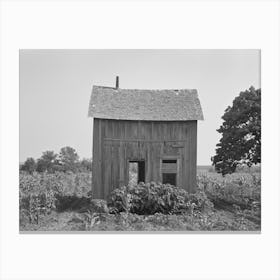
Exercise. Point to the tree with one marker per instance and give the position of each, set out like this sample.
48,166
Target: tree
86,165
69,159
47,162
29,165
241,133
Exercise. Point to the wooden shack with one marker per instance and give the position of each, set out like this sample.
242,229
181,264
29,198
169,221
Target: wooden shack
154,129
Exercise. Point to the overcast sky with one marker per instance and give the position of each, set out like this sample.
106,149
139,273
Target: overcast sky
55,87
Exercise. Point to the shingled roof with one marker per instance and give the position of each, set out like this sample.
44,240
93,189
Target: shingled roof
143,104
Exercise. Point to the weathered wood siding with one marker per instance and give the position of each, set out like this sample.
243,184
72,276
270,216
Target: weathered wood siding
116,142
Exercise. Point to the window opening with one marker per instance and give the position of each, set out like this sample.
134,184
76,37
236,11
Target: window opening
169,171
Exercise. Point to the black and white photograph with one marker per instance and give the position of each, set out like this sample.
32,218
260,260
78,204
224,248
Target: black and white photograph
139,140
143,140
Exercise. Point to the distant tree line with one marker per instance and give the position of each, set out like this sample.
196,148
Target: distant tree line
66,160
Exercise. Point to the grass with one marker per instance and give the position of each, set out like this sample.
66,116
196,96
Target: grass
218,220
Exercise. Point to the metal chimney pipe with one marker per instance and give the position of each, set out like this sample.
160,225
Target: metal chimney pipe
117,82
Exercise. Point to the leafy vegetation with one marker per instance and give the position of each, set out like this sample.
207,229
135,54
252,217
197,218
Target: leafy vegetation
241,133
41,193
151,198
61,201
238,193
29,165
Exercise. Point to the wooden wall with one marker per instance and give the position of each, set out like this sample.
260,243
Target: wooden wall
116,142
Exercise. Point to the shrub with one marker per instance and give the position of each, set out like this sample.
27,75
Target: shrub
151,198
99,206
200,201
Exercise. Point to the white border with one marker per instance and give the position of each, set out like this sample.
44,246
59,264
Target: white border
156,24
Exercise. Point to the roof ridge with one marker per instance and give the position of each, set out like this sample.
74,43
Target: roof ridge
146,89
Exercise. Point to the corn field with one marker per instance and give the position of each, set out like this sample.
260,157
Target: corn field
62,201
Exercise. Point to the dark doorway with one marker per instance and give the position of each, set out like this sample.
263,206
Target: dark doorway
169,178
136,171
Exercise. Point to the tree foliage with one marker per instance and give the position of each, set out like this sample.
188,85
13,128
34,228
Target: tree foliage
241,133
86,165
29,165
50,162
69,159
47,162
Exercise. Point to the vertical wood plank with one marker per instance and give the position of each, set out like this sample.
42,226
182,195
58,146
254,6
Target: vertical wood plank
107,170
184,158
93,179
160,162
193,157
121,133
122,164
103,125
97,160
